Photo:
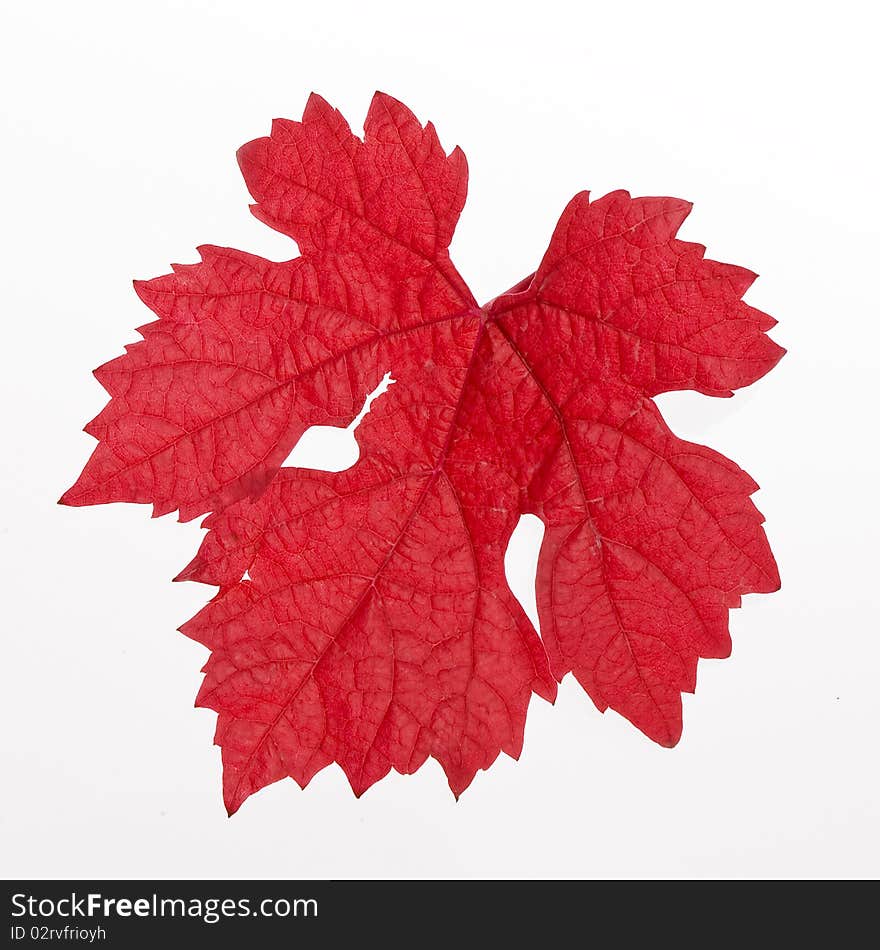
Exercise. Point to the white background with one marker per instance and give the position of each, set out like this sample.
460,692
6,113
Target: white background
119,129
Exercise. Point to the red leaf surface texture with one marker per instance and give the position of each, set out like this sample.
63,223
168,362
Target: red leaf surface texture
363,617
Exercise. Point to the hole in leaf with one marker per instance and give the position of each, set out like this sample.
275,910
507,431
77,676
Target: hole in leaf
521,563
332,448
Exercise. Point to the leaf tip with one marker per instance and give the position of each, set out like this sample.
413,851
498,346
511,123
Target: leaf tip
189,573
382,97
318,109
672,733
70,499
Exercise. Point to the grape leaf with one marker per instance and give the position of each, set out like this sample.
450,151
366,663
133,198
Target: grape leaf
363,616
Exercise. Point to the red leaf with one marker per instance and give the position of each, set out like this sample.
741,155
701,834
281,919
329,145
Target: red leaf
363,617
